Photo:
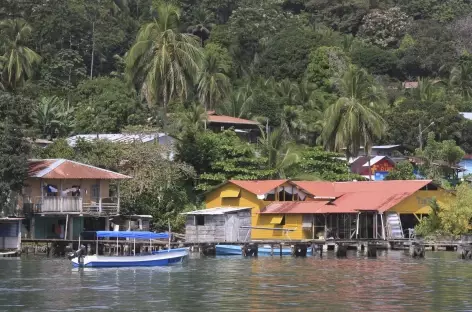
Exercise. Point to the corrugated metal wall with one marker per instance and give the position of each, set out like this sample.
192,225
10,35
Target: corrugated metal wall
9,235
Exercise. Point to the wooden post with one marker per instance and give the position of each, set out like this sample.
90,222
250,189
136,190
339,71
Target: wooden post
67,222
357,225
383,226
271,250
280,249
326,226
62,200
313,225
118,199
134,246
374,234
32,228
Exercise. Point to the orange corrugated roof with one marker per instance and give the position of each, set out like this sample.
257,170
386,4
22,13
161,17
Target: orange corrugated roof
68,169
369,201
230,120
294,207
258,187
318,188
336,189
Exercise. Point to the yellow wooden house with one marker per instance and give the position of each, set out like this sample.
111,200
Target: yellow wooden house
303,210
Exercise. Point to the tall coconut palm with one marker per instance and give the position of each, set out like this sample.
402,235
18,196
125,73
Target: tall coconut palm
163,61
213,83
352,121
18,60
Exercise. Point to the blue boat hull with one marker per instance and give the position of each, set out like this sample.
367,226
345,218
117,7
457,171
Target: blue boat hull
160,258
227,250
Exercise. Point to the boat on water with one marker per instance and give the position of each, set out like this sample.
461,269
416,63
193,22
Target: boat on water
156,258
227,250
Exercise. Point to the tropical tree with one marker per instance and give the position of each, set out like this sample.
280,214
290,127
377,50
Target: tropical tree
164,62
352,121
201,26
194,118
213,82
238,104
17,62
461,79
276,147
52,117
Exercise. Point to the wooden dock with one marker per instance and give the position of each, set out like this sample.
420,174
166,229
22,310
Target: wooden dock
59,247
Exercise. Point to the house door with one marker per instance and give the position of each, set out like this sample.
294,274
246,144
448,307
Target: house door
232,227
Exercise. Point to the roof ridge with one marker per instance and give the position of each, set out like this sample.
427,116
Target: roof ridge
94,167
48,169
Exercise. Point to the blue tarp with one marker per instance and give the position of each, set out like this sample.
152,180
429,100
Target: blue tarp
133,234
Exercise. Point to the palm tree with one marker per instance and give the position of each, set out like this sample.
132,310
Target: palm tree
352,121
52,117
163,61
194,119
202,26
213,82
18,60
461,79
276,148
238,104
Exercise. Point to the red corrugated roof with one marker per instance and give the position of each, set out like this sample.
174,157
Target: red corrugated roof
68,169
294,207
370,201
230,120
318,188
336,189
258,187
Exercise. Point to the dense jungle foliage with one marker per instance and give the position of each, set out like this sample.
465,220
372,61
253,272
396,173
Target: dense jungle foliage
325,76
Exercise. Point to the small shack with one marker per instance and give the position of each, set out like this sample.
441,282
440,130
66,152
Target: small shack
221,224
10,234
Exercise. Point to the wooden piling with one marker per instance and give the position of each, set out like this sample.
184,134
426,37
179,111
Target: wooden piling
341,251
300,250
372,251
417,250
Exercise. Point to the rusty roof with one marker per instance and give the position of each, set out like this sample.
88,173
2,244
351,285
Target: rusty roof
68,169
212,117
258,187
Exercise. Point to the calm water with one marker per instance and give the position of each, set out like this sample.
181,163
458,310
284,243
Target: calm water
393,282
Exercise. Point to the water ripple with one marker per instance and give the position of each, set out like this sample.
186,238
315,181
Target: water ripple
392,282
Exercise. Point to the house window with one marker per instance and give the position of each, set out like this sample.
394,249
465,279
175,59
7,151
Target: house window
270,197
283,221
95,192
200,220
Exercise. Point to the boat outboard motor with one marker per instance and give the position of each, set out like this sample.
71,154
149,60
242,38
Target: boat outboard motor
79,253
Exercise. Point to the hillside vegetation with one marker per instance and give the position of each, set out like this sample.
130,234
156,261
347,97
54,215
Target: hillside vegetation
325,76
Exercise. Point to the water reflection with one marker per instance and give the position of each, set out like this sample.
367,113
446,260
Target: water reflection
392,282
